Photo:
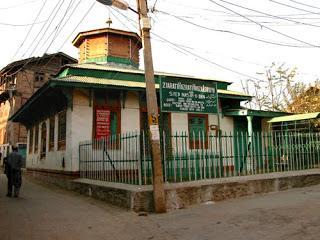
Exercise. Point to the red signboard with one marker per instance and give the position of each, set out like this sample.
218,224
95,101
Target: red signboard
102,123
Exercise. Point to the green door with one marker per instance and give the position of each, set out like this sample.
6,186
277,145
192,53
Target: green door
197,131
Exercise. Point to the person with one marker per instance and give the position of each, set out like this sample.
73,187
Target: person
13,171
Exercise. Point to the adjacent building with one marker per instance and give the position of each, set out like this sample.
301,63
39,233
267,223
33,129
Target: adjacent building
19,80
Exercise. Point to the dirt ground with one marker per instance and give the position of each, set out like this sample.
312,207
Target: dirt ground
43,212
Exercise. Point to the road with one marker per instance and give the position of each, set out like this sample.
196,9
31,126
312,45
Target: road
47,213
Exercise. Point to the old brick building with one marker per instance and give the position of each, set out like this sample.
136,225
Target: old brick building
19,80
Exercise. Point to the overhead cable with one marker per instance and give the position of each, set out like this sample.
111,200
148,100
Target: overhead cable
263,26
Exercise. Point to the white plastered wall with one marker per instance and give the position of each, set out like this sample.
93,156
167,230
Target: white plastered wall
81,119
179,122
130,113
53,159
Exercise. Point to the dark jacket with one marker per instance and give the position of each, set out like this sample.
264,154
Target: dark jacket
14,161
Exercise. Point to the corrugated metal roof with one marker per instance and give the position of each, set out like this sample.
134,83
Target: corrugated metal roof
103,81
235,93
295,117
105,67
123,83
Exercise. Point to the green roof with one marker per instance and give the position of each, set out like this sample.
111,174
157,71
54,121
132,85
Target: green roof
89,81
295,117
80,81
253,112
105,67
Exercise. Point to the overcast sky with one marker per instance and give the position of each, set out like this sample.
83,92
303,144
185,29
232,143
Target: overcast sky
210,38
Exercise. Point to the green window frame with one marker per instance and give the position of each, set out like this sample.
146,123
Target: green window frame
198,131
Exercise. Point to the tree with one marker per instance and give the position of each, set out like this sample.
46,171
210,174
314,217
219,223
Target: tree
276,91
307,101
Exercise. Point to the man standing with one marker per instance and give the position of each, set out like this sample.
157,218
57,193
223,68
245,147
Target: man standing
13,171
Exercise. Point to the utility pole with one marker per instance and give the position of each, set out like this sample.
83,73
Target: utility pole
153,113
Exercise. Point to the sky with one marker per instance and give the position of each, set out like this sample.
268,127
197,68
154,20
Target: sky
230,40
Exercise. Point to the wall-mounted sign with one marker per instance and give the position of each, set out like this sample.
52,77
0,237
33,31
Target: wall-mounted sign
102,123
188,96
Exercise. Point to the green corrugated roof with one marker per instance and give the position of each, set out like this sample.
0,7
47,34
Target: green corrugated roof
230,92
124,83
102,81
295,117
252,112
105,67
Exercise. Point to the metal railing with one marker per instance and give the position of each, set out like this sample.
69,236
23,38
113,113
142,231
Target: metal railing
126,158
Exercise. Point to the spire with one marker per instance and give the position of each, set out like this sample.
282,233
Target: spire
109,22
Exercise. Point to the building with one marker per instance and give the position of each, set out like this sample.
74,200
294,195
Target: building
19,80
104,95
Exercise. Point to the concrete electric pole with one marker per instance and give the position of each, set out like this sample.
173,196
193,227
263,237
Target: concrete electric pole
152,105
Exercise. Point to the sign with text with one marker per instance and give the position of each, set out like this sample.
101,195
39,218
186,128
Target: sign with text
188,96
102,123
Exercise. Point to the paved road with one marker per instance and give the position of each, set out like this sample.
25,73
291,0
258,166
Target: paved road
51,213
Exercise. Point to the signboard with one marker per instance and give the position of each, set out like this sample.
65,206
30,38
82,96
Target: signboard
102,123
188,96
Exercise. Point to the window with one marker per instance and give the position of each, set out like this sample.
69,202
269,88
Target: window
30,140
51,133
43,145
62,128
36,138
198,131
107,122
39,77
107,114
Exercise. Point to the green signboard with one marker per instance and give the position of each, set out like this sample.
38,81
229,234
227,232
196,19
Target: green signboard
188,96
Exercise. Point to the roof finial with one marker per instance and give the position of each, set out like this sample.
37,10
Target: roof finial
109,21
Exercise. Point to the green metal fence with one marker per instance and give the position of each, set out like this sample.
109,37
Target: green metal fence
187,156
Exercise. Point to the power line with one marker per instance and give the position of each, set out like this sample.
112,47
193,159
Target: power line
35,20
61,45
263,26
267,14
47,39
45,31
59,24
235,33
303,4
296,8
21,25
228,14
84,16
196,55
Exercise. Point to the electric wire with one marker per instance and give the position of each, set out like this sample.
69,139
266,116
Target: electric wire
197,55
30,29
235,33
296,8
76,27
263,26
52,32
303,4
266,14
44,27
57,28
85,15
21,25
